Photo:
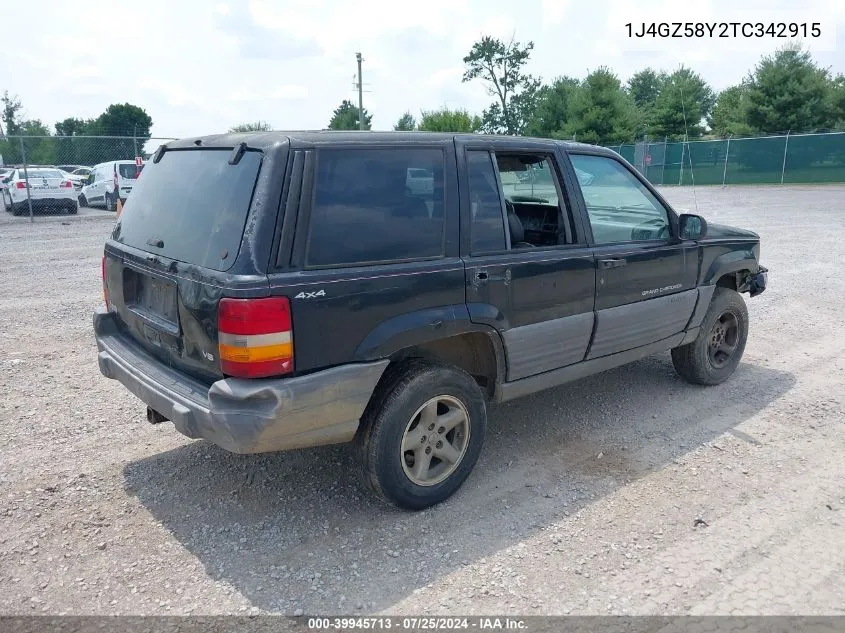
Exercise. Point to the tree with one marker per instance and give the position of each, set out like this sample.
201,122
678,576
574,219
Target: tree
345,117
406,123
500,66
728,115
644,87
684,102
553,108
40,150
446,120
72,150
258,126
602,112
837,100
788,91
73,127
123,119
11,110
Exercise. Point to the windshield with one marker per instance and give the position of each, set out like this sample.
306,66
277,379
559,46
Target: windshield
191,206
128,170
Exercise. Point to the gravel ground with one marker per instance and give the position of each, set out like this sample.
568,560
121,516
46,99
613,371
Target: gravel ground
627,492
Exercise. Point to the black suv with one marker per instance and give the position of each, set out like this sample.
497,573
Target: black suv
274,291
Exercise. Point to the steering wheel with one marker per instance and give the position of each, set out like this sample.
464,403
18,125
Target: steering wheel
645,226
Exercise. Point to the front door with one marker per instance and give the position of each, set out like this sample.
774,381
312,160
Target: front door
645,277
529,273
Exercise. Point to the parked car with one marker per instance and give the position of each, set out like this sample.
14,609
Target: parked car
48,190
5,177
78,176
293,293
109,182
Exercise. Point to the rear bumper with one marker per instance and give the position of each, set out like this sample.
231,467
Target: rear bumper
242,416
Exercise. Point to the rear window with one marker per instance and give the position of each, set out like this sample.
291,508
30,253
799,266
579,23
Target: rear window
366,210
40,173
129,171
191,206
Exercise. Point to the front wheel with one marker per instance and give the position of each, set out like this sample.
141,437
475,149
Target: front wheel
713,357
422,434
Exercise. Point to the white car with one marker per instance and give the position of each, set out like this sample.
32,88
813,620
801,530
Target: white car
48,189
108,182
78,176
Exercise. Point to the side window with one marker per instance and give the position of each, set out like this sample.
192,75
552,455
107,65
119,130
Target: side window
537,215
487,228
620,208
376,205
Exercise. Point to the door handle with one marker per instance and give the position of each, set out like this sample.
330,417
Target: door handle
613,263
482,277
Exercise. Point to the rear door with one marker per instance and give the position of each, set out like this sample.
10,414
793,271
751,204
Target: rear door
646,277
536,289
172,253
127,176
369,262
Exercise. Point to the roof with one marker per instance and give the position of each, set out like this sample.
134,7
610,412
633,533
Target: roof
267,140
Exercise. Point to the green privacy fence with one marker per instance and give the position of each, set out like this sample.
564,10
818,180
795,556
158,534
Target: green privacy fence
790,158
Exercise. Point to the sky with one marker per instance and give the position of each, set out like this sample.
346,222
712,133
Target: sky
202,66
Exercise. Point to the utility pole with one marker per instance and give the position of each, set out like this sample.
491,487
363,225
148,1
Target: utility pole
360,94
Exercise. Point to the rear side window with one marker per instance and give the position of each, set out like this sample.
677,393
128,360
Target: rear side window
487,229
191,206
376,205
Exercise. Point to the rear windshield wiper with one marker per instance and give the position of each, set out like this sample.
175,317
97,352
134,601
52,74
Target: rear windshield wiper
156,242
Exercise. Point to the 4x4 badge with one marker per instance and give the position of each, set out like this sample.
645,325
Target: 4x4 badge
311,295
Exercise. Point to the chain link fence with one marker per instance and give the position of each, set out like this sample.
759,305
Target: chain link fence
783,159
27,188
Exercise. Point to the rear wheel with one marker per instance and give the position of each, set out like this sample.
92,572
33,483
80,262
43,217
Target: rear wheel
714,356
83,201
110,203
72,208
422,434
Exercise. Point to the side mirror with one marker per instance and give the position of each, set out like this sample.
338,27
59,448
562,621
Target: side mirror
692,227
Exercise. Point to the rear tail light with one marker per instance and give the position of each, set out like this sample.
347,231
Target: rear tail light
67,184
255,337
105,288
20,185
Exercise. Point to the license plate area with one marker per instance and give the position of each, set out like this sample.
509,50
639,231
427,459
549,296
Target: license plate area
152,298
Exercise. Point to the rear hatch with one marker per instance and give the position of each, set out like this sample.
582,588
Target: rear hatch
166,264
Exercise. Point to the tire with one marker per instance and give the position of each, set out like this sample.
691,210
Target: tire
713,357
410,395
72,209
83,201
17,209
110,204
